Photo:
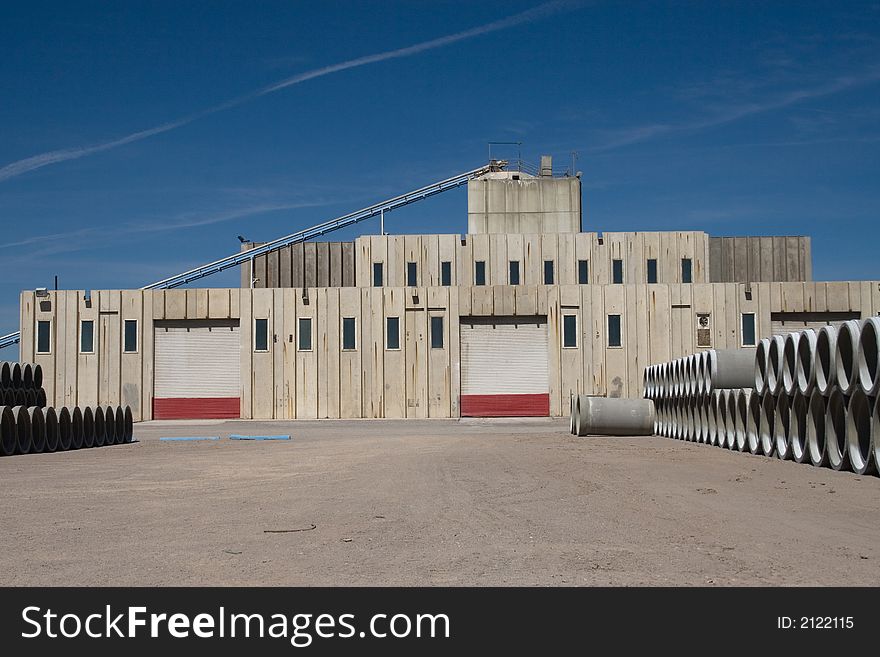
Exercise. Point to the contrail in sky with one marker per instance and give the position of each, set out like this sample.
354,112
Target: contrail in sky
19,167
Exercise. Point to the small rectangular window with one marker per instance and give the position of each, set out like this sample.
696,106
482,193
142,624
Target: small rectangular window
261,335
377,274
617,271
480,272
548,272
411,272
436,333
87,336
652,270
348,337
748,330
44,337
583,272
569,331
614,330
130,338
446,273
686,273
514,272
392,333
305,334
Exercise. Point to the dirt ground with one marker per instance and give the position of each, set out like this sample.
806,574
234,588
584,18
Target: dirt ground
482,502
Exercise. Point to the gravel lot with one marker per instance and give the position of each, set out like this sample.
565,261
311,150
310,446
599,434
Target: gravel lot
439,502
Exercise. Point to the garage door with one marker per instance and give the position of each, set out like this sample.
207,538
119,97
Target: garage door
197,370
504,367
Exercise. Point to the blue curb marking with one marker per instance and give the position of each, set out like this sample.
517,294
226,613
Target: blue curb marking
190,438
238,437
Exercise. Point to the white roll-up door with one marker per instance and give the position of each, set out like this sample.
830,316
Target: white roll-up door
504,366
197,369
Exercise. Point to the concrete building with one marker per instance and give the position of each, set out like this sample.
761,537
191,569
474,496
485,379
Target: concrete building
494,322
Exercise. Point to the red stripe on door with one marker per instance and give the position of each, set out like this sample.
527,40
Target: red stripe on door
196,408
505,405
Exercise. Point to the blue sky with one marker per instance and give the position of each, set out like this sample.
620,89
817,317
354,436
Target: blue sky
137,139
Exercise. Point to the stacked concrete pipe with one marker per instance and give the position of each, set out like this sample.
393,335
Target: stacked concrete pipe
35,430
21,384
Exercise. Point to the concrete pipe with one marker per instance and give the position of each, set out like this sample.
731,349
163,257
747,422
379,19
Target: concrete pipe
875,433
675,418
789,362
859,443
753,422
835,430
8,432
732,368
51,421
88,427
847,353
27,375
797,429
681,434
766,424
8,397
781,426
869,348
774,364
806,362
571,405
645,394
15,374
22,429
607,416
5,374
731,418
38,429
690,385
675,378
741,419
65,437
816,430
37,375
657,418
705,374
712,419
700,420
693,419
109,425
78,428
129,424
100,421
41,398
721,417
21,397
826,359
30,395
762,354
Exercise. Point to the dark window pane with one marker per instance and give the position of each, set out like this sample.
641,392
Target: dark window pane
583,272
613,330
514,272
261,335
411,274
617,271
436,333
87,336
686,270
377,274
305,333
392,333
131,336
548,272
479,272
652,270
569,331
348,339
43,337
748,330
446,273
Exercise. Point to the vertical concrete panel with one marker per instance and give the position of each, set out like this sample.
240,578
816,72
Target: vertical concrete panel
600,342
350,378
310,264
532,261
246,330
554,345
453,316
285,276
731,315
837,295
218,303
586,340
349,268
416,345
307,373
616,357
394,265
763,323
323,275
87,366
111,347
263,363
279,406
446,247
792,259
395,360
336,264
331,337
642,341
297,265
287,343
571,359
379,313
132,307
498,260
412,252
659,323
429,263
550,251
149,339
566,268
779,259
792,295
71,359
526,300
